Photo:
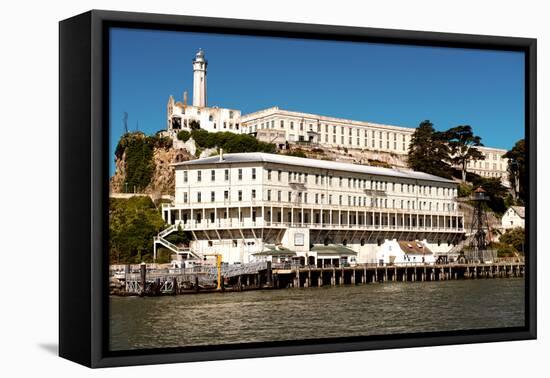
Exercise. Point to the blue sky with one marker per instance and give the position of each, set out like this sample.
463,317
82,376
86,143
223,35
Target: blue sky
389,84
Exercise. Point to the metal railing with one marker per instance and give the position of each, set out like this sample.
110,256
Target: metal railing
167,231
174,248
207,273
297,204
191,225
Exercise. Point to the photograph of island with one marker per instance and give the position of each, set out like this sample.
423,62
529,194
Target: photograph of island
270,189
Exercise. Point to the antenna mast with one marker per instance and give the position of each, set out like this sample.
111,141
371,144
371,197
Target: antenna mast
125,120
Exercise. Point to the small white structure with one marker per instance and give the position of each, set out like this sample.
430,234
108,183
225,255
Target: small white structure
514,217
395,252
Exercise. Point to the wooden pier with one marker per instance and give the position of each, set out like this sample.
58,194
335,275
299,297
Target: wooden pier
280,276
365,274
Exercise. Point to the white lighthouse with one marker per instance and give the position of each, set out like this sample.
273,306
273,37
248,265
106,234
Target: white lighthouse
199,79
183,116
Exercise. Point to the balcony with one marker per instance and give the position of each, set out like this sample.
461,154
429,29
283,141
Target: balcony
220,224
297,205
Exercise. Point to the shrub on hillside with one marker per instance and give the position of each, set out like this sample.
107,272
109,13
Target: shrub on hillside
184,135
296,153
230,142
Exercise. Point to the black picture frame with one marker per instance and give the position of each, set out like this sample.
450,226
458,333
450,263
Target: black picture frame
83,182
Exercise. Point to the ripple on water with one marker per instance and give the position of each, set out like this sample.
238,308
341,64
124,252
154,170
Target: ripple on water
296,314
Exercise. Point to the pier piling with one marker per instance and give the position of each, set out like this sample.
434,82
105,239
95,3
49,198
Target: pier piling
143,277
269,278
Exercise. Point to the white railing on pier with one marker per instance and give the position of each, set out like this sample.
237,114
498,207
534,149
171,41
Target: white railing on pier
206,274
239,269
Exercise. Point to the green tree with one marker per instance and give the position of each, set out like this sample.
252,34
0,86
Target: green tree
496,192
514,237
132,225
464,189
179,237
503,249
517,170
462,147
428,151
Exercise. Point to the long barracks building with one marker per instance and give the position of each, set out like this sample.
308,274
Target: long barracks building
250,206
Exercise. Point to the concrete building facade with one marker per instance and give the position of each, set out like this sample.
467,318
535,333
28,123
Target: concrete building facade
329,132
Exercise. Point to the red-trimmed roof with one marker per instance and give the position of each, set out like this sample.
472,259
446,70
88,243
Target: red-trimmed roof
414,247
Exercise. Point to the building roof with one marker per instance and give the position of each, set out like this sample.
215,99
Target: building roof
333,249
251,117
414,248
255,157
272,250
520,211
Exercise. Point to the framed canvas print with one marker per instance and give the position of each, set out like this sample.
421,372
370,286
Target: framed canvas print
234,188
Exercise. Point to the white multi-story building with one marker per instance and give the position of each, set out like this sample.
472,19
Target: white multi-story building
281,126
493,166
329,131
248,204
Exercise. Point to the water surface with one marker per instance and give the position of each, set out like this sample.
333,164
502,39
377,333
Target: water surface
295,314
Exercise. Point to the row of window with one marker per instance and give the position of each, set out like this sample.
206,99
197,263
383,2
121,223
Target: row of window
302,198
225,196
488,174
387,135
485,165
494,156
331,181
357,183
351,142
213,175
210,117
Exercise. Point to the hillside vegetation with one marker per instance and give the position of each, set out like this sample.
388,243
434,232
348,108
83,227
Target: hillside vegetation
137,151
132,225
230,142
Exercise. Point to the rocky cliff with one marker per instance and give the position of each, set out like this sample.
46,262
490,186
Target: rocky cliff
162,178
353,156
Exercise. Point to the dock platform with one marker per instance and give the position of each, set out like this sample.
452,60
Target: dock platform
266,275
